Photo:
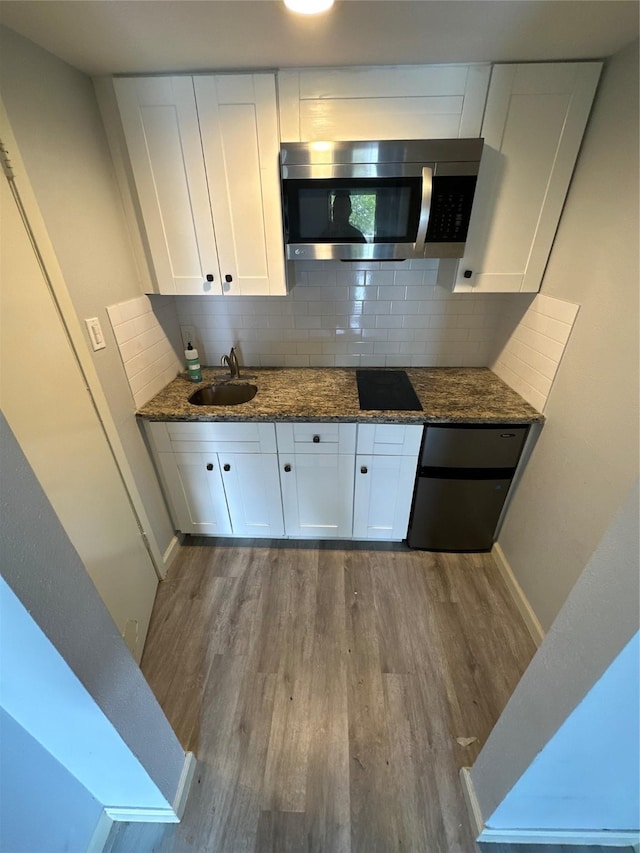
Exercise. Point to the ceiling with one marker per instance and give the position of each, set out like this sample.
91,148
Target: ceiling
119,36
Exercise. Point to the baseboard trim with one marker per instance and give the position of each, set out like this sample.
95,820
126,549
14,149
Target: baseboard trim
172,551
184,784
575,837
578,837
521,601
100,834
141,815
471,801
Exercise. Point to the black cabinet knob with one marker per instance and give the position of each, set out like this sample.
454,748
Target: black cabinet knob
209,277
316,439
287,468
226,467
209,467
364,469
467,273
228,278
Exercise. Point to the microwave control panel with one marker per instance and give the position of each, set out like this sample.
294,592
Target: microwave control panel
451,202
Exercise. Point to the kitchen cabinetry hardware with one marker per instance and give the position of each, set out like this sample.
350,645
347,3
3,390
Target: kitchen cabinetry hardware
203,154
244,502
388,455
468,273
244,494
534,120
317,496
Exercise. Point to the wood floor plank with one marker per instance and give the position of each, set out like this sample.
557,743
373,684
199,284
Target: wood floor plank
324,685
286,771
327,805
273,617
281,832
373,801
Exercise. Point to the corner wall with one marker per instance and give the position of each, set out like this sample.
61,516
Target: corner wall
44,571
54,115
587,456
520,778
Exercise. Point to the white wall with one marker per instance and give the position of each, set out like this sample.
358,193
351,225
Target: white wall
588,774
597,621
45,697
587,456
43,807
571,535
56,422
73,631
55,118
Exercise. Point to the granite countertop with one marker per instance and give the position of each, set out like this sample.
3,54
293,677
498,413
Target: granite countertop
447,394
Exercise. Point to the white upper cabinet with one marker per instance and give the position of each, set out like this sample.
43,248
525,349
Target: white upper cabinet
412,102
160,123
533,126
204,157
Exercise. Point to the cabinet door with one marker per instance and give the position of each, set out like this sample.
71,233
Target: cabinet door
533,126
196,491
252,487
160,124
411,102
317,495
239,126
383,494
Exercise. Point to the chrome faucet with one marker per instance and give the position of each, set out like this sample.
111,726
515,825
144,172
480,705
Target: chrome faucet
232,363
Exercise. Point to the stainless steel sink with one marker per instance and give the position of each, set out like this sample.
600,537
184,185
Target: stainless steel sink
223,395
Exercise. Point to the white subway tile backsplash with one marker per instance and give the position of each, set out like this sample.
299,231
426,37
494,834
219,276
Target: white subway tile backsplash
535,344
369,314
143,328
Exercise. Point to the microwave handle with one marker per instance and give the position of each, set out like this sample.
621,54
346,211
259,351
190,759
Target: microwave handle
425,206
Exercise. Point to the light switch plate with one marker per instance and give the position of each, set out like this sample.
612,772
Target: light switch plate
95,333
188,334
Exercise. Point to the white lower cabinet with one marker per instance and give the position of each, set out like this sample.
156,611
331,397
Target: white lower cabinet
219,479
316,473
197,492
252,487
314,482
383,493
385,475
317,495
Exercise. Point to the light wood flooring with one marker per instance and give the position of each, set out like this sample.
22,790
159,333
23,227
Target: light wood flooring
323,688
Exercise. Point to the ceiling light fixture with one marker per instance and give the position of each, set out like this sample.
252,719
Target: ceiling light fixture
308,7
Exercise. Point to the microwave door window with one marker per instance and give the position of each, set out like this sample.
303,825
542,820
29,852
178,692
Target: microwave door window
352,211
396,219
327,215
309,214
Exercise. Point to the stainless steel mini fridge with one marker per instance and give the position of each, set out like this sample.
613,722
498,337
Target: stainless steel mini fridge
463,479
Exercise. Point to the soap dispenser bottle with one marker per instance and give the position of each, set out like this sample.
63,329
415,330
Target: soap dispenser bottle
193,363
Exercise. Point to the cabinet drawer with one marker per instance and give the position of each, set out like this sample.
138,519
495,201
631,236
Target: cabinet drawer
389,439
222,437
316,438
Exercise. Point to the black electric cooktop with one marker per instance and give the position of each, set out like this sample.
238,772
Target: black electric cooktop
389,390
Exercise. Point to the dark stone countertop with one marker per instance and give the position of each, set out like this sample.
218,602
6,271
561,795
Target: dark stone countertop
447,394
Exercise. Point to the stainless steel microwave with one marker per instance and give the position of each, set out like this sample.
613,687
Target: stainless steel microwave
387,200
